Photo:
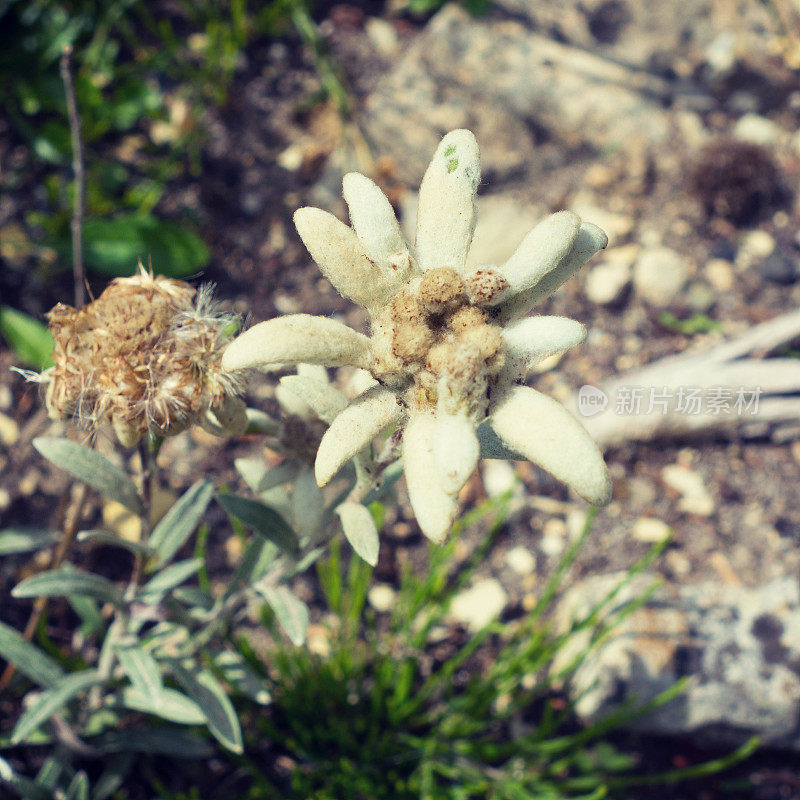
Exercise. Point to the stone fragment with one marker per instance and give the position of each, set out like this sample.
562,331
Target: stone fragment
480,604
659,275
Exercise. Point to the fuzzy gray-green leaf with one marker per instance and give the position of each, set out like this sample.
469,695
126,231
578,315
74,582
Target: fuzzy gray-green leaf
170,704
291,612
64,582
171,576
205,690
28,658
179,523
142,669
360,530
263,520
92,468
52,701
23,540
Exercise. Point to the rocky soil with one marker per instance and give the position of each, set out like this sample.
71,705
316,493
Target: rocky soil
672,126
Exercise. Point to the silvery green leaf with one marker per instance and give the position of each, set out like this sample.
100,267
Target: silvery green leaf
308,560
254,563
240,674
360,530
170,577
64,582
113,540
142,670
261,479
308,504
166,638
78,788
390,476
291,612
50,772
52,701
170,704
24,787
166,742
195,597
92,468
23,540
92,621
179,523
324,400
206,691
28,658
262,520
113,777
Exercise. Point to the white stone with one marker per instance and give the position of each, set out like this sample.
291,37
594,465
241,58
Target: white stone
659,275
480,604
695,498
521,560
383,36
719,273
756,129
381,597
9,431
606,282
499,477
650,530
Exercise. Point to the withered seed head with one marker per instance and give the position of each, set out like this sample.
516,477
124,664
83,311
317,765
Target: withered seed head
484,285
144,356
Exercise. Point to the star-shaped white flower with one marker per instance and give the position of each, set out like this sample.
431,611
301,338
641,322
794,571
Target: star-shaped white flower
449,343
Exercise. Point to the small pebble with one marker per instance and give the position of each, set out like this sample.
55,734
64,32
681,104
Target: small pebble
650,530
521,560
381,597
480,604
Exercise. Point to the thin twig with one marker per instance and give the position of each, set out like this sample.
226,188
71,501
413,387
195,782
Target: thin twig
72,521
77,169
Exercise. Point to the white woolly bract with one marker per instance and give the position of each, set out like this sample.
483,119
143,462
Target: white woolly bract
544,432
590,240
446,211
365,418
540,252
456,448
322,399
294,339
374,221
340,255
434,507
529,341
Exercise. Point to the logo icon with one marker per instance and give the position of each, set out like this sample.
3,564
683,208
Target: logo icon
591,400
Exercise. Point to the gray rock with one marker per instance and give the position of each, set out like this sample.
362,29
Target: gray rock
740,647
659,275
508,85
606,283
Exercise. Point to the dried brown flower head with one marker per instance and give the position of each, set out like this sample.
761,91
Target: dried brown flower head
144,356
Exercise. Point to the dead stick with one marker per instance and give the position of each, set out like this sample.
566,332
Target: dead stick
77,169
72,521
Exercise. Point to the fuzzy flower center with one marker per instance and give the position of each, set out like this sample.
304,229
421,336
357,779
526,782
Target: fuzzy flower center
439,343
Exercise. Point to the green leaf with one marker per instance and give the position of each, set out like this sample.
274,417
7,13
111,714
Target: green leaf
170,704
27,337
29,659
261,479
116,771
51,701
23,540
92,621
263,520
171,743
142,669
114,540
67,581
78,787
291,613
359,528
114,246
24,787
171,576
179,523
92,468
206,691
242,676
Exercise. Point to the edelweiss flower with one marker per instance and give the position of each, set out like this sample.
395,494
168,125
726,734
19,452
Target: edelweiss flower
448,344
145,356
